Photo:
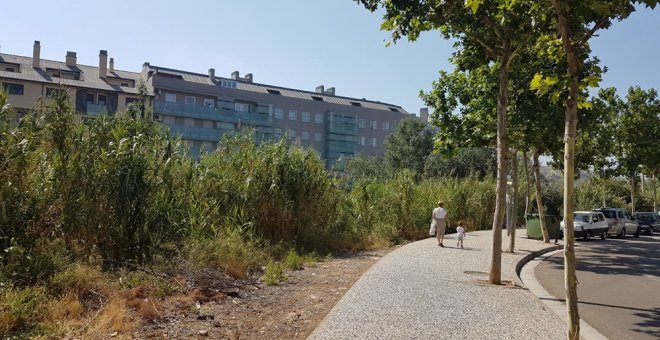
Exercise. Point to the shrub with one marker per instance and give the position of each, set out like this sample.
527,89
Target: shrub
273,274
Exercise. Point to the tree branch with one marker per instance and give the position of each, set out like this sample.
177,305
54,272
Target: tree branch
599,24
488,48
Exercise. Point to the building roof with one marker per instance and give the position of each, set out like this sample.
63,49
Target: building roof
242,84
89,76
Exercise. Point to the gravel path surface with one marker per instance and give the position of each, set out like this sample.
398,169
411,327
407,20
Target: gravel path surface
422,291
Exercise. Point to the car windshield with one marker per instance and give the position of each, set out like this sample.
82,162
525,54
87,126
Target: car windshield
644,217
609,213
581,217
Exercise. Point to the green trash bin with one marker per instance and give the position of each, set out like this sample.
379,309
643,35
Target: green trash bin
534,226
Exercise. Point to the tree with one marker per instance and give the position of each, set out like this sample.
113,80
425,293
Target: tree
481,162
577,22
409,146
486,33
600,144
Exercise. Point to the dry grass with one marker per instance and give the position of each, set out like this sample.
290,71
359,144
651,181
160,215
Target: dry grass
113,317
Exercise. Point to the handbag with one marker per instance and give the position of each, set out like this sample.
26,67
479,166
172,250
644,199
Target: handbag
432,230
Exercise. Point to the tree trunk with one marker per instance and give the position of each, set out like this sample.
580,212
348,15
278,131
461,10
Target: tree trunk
570,126
604,185
514,202
527,194
539,196
495,276
655,195
632,193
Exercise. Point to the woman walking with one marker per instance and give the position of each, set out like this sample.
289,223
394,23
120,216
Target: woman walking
441,221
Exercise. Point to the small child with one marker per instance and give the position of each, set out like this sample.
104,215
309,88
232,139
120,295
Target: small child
461,234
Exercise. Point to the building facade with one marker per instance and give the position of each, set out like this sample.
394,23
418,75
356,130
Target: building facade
93,90
202,107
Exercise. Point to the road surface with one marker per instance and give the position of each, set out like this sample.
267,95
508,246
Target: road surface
619,285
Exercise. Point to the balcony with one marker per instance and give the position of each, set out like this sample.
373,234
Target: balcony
193,133
260,116
96,109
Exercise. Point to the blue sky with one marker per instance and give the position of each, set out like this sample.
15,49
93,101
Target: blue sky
291,43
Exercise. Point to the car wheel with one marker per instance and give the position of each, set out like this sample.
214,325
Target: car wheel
622,235
587,235
650,231
603,236
636,234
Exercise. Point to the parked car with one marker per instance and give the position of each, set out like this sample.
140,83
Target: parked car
587,224
648,222
620,222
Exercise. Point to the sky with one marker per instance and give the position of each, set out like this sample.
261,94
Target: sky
291,43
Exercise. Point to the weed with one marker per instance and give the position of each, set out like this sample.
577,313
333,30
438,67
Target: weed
293,261
273,274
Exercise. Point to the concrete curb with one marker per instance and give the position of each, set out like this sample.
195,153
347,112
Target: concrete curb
531,256
526,275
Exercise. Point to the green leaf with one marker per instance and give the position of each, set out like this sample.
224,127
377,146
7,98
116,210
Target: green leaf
473,5
591,81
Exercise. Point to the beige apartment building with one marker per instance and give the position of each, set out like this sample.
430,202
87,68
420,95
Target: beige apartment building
93,90
201,107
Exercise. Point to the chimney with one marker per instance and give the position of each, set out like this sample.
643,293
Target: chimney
71,58
248,77
235,75
330,91
320,89
424,114
212,74
36,54
112,64
103,63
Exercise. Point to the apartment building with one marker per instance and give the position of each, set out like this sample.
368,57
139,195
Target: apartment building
93,90
202,107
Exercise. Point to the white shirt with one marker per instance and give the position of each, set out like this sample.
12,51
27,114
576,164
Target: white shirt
439,213
460,231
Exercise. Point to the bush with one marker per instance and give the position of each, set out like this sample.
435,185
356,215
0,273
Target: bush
273,274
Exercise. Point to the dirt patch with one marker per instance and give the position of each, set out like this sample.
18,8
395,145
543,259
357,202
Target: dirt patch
504,284
291,310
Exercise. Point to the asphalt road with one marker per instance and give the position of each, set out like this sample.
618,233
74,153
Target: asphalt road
619,285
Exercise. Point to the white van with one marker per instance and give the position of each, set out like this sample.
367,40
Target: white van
587,224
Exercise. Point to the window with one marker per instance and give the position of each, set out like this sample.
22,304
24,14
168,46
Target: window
190,100
209,102
292,134
386,126
125,85
277,132
306,117
170,97
242,107
318,99
15,89
271,91
363,140
318,118
279,113
361,123
293,115
373,142
318,137
228,83
91,97
130,100
9,67
356,104
393,109
304,135
374,125
102,99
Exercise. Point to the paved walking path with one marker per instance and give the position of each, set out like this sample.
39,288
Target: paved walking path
422,291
